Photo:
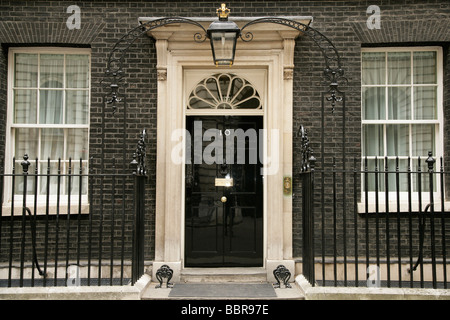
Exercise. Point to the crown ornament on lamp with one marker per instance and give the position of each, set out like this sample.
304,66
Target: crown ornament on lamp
223,12
223,35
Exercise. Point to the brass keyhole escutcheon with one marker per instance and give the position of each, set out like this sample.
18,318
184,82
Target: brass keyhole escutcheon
223,199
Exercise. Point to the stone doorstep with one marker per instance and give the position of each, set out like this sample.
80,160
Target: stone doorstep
352,293
219,276
223,275
152,293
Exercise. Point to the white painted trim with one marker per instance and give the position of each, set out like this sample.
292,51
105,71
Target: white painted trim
307,20
176,55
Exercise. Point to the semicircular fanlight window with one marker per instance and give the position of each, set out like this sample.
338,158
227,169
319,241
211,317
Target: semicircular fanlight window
224,91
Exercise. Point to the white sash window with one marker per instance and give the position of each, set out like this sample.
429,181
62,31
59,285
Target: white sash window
48,115
402,114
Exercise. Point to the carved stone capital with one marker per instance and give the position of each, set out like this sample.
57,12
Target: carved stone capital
162,74
288,73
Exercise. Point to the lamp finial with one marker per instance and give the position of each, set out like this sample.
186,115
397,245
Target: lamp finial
223,12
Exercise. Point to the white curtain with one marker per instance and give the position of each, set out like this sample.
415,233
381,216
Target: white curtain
392,74
51,105
387,77
62,82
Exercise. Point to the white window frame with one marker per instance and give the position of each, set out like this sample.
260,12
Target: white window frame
10,142
439,136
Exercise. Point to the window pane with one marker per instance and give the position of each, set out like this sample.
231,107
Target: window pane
398,181
25,106
52,71
425,103
399,67
212,89
77,144
51,183
52,144
373,140
77,71
26,71
397,139
77,107
224,86
375,179
224,91
399,103
374,103
373,68
26,142
75,177
223,45
423,139
425,67
51,107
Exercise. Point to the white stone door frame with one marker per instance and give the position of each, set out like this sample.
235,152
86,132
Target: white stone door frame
272,49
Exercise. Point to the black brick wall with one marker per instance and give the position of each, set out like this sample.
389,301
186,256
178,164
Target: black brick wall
24,23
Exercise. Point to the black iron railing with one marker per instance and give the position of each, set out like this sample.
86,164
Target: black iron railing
390,228
71,225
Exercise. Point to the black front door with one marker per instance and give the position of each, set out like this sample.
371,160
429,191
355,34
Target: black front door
224,192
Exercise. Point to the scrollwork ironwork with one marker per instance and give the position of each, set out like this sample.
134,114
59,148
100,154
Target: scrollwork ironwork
334,76
199,38
333,69
307,152
165,272
331,55
140,155
282,274
247,37
114,77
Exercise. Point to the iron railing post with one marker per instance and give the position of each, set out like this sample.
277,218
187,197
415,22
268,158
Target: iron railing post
430,162
140,174
138,231
25,165
306,176
308,221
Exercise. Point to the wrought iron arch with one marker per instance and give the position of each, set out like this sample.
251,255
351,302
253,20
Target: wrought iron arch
333,71
329,51
333,68
115,75
115,78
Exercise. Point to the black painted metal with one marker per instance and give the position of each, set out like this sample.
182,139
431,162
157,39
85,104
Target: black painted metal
368,232
70,237
33,241
115,76
282,274
230,233
140,175
164,273
307,178
333,68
